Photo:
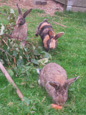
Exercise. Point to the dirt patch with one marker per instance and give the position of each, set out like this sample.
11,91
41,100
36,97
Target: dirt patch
50,8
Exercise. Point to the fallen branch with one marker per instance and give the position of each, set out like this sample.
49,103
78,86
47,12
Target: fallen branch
11,81
6,52
5,42
59,24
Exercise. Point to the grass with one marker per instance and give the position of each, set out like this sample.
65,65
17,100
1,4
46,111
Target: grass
70,54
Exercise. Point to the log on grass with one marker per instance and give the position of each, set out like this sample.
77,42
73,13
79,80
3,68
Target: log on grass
59,24
11,81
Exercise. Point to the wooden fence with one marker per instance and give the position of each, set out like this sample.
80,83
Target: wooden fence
74,5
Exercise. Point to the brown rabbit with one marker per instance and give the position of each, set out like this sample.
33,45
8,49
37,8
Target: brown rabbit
20,30
54,79
49,39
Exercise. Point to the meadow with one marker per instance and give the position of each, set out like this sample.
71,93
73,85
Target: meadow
70,53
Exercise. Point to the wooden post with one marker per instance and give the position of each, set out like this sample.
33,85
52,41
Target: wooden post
11,81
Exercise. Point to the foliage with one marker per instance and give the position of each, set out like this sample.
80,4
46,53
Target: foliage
11,50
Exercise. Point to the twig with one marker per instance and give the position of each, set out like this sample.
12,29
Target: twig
5,42
11,81
15,61
9,26
6,52
7,35
8,58
59,24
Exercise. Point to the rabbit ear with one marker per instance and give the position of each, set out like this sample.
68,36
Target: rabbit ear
58,35
26,13
19,10
70,81
55,85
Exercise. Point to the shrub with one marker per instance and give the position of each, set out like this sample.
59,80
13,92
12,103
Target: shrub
11,52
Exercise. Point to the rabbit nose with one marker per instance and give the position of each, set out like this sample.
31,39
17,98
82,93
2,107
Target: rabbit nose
60,104
61,100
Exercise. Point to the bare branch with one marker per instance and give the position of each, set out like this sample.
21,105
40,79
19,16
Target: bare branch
11,81
59,24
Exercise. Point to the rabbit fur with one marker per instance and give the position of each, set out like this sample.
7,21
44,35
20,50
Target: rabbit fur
54,79
49,39
20,30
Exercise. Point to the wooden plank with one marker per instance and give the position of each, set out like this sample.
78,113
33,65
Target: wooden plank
76,5
77,9
80,3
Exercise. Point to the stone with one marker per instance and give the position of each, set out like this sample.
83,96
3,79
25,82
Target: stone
40,2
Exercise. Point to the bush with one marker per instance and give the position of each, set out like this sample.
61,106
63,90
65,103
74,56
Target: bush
11,52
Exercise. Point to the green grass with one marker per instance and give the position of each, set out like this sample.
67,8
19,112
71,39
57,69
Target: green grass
70,54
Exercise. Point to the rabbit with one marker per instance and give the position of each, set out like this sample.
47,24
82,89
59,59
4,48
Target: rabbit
20,30
49,39
54,79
